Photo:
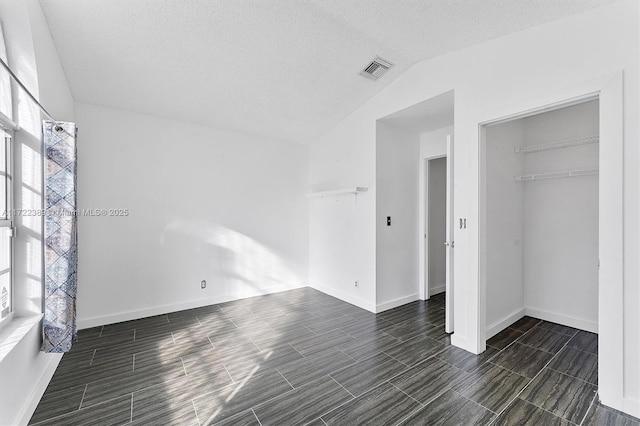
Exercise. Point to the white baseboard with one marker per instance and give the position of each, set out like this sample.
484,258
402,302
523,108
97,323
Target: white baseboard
500,325
437,289
346,298
462,343
626,405
164,309
562,319
38,390
397,302
631,406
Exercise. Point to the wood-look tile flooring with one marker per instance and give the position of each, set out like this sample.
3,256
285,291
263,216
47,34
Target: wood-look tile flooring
302,357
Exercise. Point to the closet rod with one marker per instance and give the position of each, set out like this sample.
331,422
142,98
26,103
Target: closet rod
17,80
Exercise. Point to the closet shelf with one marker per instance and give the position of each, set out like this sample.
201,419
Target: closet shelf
553,175
557,145
340,191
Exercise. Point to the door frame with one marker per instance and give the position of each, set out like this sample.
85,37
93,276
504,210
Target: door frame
609,90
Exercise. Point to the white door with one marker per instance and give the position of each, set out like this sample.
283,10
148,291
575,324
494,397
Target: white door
449,243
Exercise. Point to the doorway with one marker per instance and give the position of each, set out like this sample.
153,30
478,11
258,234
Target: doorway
436,211
608,90
436,218
405,140
541,218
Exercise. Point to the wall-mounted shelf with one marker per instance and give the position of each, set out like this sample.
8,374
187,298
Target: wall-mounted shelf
340,191
553,175
557,145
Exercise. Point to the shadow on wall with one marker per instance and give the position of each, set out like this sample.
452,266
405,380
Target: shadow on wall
241,265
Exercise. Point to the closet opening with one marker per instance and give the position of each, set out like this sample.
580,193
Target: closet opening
540,217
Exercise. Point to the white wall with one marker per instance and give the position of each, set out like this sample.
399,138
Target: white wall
561,220
32,58
512,72
54,91
437,221
503,249
204,204
397,196
434,143
342,230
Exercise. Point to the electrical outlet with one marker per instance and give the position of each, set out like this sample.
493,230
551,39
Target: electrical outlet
203,284
357,283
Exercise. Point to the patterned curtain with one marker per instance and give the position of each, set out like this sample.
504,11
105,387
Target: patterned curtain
60,238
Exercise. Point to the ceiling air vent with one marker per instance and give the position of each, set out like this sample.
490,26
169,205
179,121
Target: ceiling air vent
376,68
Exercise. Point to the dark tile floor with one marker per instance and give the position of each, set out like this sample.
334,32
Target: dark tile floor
302,357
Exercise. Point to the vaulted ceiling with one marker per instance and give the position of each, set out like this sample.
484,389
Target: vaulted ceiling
285,69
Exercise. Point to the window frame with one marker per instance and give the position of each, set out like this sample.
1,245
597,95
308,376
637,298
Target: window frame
8,221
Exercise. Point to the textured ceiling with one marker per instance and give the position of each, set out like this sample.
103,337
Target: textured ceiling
285,69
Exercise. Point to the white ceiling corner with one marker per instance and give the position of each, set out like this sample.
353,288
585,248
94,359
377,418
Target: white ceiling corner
285,69
431,114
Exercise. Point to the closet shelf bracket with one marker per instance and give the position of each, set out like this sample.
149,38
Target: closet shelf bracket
553,175
557,145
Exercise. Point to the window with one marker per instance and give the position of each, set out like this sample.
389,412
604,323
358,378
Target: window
6,228
6,214
6,103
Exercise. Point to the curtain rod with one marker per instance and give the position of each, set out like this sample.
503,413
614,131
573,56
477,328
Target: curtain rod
17,80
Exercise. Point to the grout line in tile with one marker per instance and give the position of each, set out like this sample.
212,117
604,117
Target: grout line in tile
332,378
542,350
289,383
582,350
411,413
193,404
553,414
346,354
83,394
227,370
183,367
134,362
531,381
395,359
573,377
134,334
101,330
509,370
595,394
256,416
420,403
477,403
303,355
93,356
254,344
131,415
